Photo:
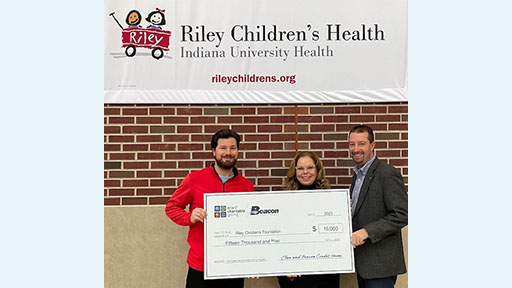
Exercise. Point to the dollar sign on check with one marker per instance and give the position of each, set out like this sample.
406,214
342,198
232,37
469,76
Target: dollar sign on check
314,228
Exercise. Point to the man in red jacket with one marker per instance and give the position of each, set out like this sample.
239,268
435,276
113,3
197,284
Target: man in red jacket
220,177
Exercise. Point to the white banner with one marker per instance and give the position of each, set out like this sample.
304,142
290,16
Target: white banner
248,51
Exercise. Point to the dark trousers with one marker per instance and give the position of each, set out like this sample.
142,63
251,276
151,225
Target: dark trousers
310,281
195,279
387,282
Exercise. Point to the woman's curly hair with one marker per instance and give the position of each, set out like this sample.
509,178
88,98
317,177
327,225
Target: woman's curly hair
291,182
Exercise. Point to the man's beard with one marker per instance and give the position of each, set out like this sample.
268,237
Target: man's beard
226,165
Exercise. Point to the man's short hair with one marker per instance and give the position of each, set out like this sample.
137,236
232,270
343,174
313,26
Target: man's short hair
224,134
361,129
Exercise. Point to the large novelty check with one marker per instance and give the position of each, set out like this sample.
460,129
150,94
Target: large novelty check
277,233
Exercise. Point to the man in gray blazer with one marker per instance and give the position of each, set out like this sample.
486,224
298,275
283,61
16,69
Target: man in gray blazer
379,211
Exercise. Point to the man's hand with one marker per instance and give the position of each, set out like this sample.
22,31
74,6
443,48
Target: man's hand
198,214
358,237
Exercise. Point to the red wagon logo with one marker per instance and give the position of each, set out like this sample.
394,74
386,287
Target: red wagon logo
153,37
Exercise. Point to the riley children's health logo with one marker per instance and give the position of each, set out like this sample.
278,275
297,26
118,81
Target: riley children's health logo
152,37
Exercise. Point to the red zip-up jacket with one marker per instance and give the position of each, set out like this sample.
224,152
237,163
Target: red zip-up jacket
191,191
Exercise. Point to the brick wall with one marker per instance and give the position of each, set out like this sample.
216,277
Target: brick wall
150,148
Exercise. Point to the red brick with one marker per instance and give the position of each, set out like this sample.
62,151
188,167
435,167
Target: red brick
404,136
247,146
111,129
149,191
337,136
256,119
121,174
135,183
190,147
282,137
387,136
176,120
246,164
309,137
270,146
216,111
270,163
270,110
169,191
326,162
163,164
158,200
348,110
405,171
162,182
282,119
149,120
174,173
198,119
259,172
322,145
162,147
135,147
300,128
202,155
162,111
214,128
256,155
286,155
111,183
344,128
362,118
111,111
336,154
256,138
345,163
178,155
345,180
388,118
176,138
189,111
149,138
122,156
398,127
374,109
321,110
121,192
405,153
301,146
135,165
243,111
229,119
397,109
135,129
322,128
244,128
111,147
378,145
135,201
336,119
299,110
121,120
149,156
405,118
336,171
270,128
190,164
310,119
388,153
149,174
135,111
116,138
270,181
201,138
398,162
190,129
111,201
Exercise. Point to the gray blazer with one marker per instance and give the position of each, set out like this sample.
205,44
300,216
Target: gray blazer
382,211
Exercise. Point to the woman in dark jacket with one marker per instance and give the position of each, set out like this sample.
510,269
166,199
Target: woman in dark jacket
307,173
